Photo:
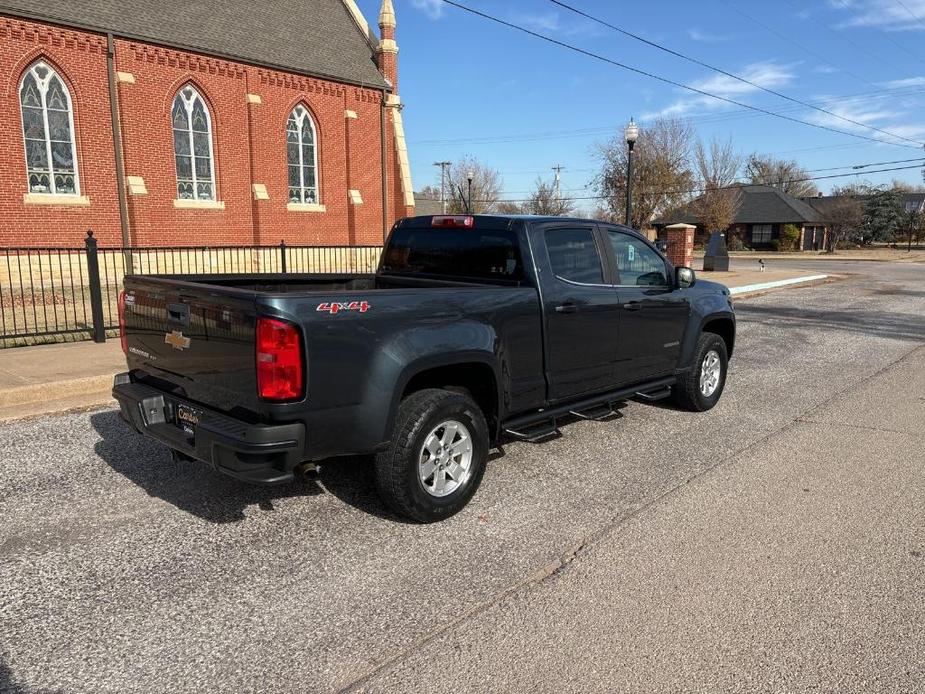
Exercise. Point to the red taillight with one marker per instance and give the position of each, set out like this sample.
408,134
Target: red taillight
454,222
122,335
280,373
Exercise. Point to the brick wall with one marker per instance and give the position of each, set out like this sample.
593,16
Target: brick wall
249,107
80,60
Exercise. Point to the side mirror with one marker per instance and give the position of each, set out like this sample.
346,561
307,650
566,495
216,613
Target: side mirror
685,277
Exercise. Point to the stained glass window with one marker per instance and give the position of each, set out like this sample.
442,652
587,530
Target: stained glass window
192,146
48,131
302,156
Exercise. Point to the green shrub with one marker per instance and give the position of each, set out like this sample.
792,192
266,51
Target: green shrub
789,238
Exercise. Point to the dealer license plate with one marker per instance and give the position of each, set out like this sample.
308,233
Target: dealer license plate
188,419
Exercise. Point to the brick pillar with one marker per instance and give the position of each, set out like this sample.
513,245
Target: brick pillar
681,244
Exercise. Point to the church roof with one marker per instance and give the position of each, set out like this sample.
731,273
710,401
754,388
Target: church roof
320,38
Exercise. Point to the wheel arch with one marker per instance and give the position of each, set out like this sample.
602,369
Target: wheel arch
475,374
724,326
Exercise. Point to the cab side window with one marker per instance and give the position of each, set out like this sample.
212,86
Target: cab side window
638,265
574,255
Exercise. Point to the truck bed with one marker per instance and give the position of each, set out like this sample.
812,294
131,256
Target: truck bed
296,283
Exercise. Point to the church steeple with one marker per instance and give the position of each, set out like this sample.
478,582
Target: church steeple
388,49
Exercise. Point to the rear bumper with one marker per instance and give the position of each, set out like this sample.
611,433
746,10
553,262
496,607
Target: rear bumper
258,453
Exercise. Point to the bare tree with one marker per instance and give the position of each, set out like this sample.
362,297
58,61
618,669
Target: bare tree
717,165
544,201
914,222
429,192
844,219
661,171
904,187
486,187
780,173
509,207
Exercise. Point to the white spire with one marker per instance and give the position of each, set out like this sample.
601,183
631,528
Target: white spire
387,14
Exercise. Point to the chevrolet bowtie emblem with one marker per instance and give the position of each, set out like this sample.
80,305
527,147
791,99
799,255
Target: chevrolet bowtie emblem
176,340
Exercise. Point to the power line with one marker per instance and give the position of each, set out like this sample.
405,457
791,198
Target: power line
842,38
726,73
911,13
889,38
666,80
733,6
692,191
733,115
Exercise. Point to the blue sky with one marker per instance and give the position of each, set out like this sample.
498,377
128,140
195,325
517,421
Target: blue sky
522,105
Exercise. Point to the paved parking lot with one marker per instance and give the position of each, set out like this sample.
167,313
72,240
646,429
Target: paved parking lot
660,552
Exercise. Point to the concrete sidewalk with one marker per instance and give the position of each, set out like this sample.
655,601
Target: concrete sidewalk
57,378
882,255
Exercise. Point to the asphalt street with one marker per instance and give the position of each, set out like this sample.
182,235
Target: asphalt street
776,543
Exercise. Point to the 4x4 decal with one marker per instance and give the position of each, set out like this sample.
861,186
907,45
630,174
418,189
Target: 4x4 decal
335,308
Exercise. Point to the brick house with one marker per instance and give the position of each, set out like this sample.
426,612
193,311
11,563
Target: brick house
220,123
763,212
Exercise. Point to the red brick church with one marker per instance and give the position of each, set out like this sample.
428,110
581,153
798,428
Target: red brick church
178,123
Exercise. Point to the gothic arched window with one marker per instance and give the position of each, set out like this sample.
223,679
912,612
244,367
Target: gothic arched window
302,156
192,146
48,130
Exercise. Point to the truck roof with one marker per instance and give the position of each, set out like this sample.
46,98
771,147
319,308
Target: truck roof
506,220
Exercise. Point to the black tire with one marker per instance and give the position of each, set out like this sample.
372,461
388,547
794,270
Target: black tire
686,392
397,477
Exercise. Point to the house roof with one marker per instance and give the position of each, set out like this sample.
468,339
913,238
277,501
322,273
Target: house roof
312,37
758,205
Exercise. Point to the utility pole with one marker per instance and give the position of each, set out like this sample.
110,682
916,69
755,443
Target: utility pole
444,165
558,169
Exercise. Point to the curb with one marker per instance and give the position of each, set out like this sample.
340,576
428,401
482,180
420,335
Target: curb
58,390
748,293
776,284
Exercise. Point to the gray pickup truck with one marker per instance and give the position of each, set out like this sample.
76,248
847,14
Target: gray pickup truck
473,329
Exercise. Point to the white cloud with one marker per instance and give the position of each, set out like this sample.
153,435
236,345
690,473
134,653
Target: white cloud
551,23
825,70
908,82
872,112
908,15
696,34
768,74
433,8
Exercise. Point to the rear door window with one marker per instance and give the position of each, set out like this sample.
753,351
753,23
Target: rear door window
574,256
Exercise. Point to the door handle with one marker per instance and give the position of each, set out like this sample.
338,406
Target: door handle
566,308
633,306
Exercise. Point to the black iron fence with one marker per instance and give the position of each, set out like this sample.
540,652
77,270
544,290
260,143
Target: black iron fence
68,294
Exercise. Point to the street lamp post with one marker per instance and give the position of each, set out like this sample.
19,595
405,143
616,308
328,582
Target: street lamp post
469,176
631,133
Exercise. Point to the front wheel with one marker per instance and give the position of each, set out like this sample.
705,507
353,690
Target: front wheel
700,388
437,457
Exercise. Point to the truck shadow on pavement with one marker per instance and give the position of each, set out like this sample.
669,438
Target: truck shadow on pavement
898,326
195,488
7,684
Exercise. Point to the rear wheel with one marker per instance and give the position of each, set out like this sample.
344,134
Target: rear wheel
437,457
700,389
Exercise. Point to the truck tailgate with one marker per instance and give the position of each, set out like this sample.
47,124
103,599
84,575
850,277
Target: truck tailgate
199,339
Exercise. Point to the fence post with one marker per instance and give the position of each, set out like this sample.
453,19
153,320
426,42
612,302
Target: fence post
96,291
282,252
